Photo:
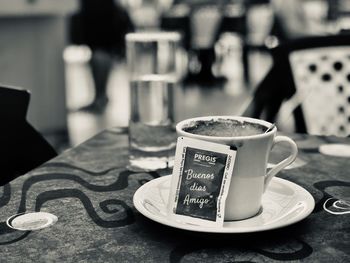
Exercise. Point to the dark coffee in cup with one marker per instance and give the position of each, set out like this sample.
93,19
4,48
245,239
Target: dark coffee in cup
224,128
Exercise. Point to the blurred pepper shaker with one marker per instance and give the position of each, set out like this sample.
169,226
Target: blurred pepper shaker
229,62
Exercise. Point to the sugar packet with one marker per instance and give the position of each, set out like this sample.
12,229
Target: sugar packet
200,182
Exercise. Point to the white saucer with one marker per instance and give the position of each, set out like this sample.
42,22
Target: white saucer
31,221
335,149
284,203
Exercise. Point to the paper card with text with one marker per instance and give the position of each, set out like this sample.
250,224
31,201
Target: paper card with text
200,182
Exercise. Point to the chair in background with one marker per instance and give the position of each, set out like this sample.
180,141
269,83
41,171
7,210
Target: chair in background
310,78
204,24
22,148
178,19
233,23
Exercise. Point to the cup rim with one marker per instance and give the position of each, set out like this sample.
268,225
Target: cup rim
181,124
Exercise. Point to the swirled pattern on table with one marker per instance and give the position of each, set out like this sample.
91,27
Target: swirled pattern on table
90,190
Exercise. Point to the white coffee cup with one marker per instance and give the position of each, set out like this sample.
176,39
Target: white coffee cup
250,177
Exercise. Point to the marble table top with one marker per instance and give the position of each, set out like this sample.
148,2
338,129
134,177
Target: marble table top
91,191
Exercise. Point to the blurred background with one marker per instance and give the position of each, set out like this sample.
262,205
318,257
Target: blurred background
70,54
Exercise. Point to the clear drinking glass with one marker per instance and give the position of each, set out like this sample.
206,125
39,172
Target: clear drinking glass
153,73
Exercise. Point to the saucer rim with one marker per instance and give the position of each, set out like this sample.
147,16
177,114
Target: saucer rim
302,192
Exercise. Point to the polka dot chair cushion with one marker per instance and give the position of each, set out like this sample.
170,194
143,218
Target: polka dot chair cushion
322,80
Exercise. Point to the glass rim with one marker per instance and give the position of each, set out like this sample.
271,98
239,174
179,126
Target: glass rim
153,36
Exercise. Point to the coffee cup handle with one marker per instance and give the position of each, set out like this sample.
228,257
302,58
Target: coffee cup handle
282,164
